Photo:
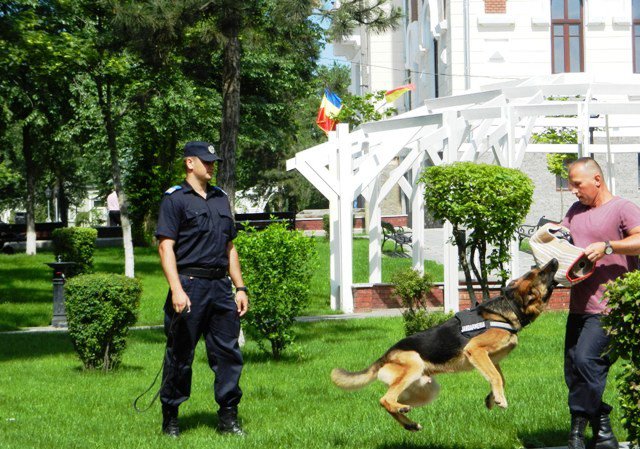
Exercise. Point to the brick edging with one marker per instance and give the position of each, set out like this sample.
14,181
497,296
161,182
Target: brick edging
367,297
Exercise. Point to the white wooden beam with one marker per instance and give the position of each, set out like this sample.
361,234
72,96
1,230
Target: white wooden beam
417,215
334,229
345,218
375,235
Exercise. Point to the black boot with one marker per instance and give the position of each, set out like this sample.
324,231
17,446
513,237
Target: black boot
576,437
170,421
603,437
228,421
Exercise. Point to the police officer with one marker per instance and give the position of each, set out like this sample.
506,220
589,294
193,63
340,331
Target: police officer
196,232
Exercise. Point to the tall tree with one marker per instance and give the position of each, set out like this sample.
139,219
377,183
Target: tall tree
36,66
227,27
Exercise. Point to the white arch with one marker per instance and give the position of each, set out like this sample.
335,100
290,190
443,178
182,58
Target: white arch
496,120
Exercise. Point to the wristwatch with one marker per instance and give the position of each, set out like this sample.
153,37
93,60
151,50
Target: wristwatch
242,289
607,248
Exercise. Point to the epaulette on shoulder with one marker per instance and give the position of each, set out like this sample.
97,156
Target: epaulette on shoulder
218,188
170,190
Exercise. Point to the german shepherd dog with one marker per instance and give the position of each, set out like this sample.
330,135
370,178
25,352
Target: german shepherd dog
408,367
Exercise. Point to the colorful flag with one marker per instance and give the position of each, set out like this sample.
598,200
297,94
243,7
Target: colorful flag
329,108
393,94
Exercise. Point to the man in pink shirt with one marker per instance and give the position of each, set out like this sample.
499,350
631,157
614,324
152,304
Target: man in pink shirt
608,227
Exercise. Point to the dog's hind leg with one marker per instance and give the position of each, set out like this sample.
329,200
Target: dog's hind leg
401,370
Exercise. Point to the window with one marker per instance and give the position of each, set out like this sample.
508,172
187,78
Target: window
635,13
567,50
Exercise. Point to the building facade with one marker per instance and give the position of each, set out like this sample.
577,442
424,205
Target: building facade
445,47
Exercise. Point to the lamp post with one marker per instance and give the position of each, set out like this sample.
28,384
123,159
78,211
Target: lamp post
59,279
47,193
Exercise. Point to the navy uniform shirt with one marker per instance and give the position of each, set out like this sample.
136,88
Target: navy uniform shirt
200,227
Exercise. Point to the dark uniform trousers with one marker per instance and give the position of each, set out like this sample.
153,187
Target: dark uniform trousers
586,366
214,315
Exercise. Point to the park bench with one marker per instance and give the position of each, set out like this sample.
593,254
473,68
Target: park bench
526,231
396,234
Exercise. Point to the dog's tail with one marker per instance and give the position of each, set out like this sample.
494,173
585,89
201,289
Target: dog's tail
348,380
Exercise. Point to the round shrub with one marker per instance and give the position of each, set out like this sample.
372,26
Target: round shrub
277,265
75,245
486,201
100,309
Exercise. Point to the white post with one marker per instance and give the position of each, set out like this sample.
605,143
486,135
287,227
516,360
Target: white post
611,174
375,234
451,262
514,245
346,218
417,215
451,272
334,228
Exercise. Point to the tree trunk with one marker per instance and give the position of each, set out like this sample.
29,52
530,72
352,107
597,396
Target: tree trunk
230,109
104,98
461,242
27,153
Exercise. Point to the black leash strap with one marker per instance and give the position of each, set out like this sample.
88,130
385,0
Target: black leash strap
174,319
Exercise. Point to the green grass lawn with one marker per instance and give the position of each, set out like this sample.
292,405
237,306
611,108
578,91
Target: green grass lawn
48,401
26,291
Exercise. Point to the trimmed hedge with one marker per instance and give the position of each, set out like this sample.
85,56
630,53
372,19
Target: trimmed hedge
623,325
277,266
75,245
100,309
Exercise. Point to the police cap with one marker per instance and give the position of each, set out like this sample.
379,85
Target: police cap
202,150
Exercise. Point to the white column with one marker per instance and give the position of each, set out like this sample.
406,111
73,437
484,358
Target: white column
417,215
611,174
346,218
451,275
514,245
451,262
375,234
334,228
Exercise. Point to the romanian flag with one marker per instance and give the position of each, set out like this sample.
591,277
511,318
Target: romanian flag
329,108
393,94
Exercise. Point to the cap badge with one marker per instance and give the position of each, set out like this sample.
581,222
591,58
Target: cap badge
211,149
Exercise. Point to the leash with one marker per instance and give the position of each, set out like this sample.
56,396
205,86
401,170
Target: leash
174,319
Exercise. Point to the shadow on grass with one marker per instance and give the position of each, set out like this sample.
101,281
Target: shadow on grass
32,345
405,445
151,336
11,320
200,419
544,438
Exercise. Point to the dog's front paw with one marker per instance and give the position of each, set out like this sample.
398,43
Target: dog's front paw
489,401
413,427
502,403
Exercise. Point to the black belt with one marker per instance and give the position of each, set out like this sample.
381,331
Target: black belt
205,273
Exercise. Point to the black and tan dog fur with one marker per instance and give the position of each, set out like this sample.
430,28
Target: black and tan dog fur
408,367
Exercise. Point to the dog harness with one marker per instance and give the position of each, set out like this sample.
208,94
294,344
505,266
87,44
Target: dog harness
553,241
472,323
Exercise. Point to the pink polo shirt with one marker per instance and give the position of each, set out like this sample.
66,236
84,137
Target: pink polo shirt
611,221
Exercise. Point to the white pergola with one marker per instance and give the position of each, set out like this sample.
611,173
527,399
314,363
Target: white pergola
494,123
